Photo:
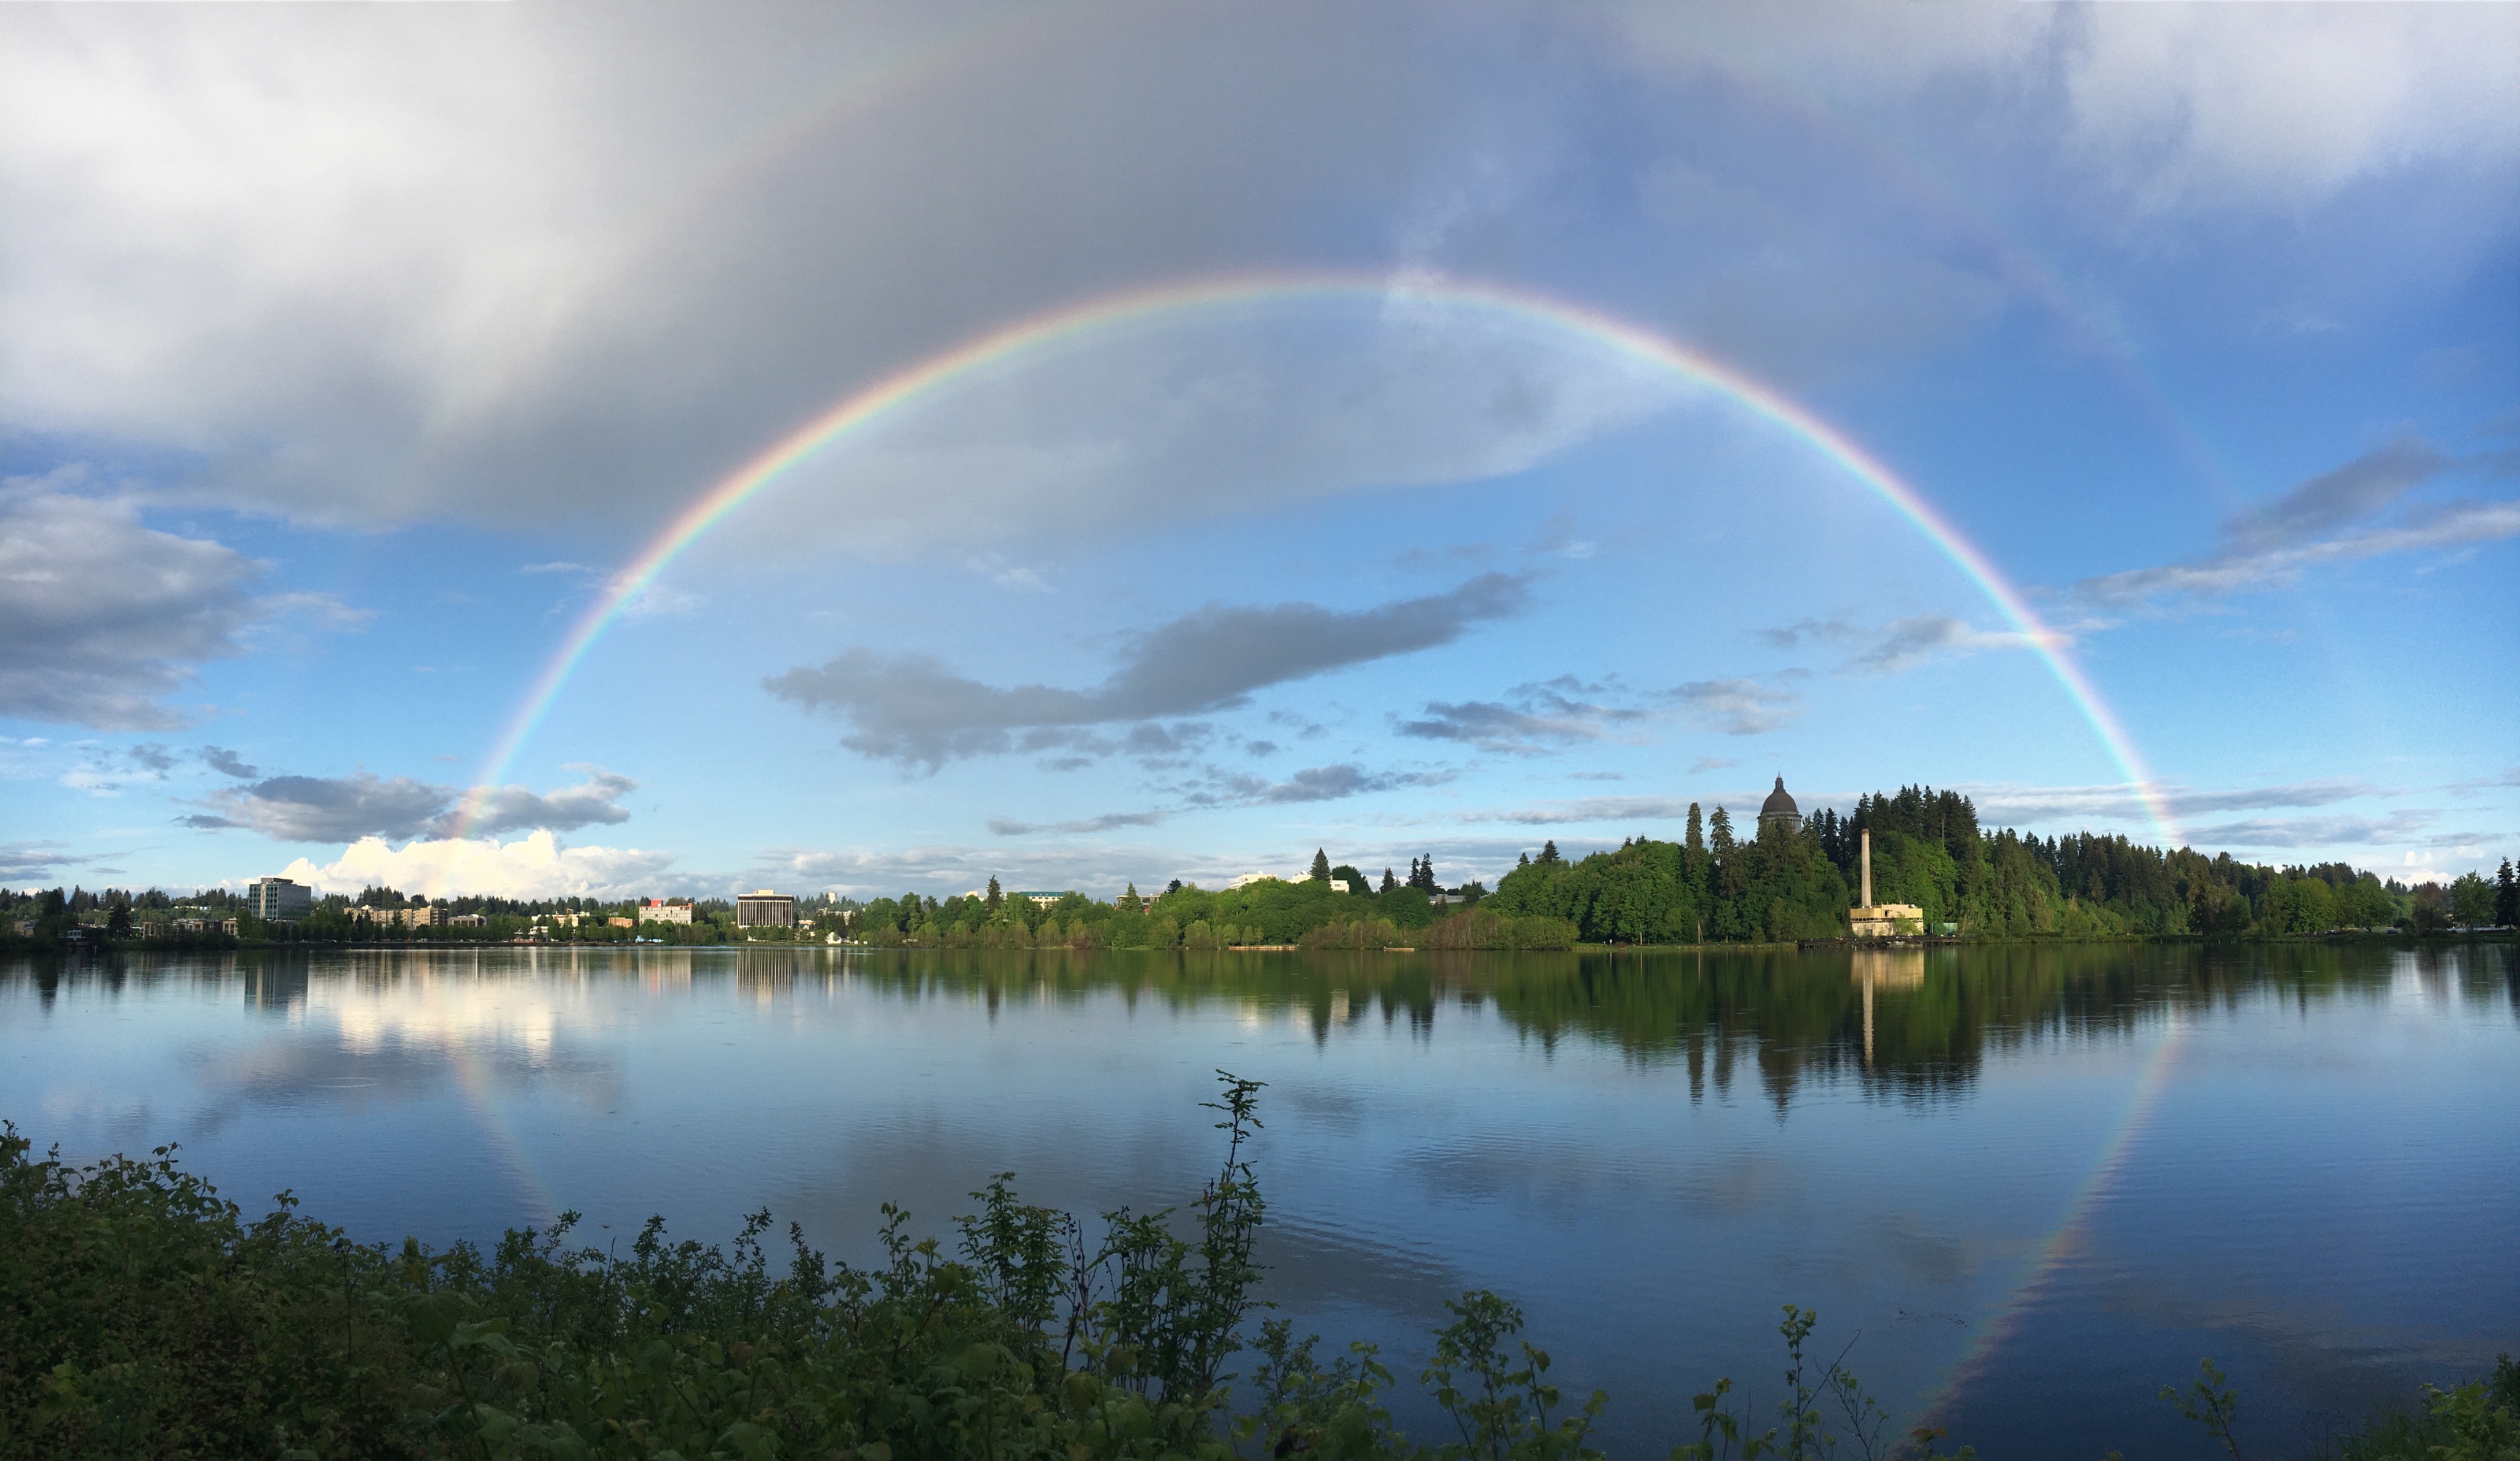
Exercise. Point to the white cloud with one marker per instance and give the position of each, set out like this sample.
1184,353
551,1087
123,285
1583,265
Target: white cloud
535,866
1738,706
2158,105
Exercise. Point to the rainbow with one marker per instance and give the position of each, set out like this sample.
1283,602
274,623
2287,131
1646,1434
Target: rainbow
1077,321
2073,1227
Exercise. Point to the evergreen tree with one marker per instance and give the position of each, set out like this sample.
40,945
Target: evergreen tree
1548,852
1321,865
1522,859
1722,828
1175,886
1388,881
2506,897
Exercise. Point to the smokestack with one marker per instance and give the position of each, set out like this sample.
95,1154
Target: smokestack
1867,867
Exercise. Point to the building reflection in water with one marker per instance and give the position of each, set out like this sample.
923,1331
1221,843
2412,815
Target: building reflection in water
1886,969
275,985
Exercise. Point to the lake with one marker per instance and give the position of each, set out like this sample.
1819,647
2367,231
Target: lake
2024,1187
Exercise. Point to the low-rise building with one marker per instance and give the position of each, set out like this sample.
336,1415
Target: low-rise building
469,921
764,909
625,923
278,899
658,910
422,917
1040,898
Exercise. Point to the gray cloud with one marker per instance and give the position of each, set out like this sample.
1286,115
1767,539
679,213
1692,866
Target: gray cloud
2398,828
227,762
1332,784
590,803
152,757
23,863
106,617
911,709
327,810
1589,809
2329,519
1738,706
302,314
1905,643
2008,803
1541,717
1802,632
346,808
1107,822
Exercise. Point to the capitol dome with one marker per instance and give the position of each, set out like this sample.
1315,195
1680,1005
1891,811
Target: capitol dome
1781,810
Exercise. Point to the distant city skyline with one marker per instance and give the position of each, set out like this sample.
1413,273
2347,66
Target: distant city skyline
501,451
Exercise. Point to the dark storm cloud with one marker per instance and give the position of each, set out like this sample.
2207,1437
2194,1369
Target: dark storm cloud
910,708
2331,518
346,808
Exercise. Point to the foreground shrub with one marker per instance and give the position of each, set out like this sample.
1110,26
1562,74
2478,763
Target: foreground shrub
141,1316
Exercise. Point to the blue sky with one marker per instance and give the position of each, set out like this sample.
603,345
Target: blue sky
353,353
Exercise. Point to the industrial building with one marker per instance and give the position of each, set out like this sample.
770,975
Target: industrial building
1870,920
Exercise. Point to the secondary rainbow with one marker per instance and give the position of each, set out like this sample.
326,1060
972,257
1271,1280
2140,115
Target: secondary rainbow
1076,322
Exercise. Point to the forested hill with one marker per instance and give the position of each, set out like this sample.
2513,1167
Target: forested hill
1929,851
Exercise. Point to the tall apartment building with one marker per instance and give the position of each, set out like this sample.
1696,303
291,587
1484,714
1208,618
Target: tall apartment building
278,901
658,910
764,909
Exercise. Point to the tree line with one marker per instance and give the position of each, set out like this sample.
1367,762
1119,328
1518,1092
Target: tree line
1928,851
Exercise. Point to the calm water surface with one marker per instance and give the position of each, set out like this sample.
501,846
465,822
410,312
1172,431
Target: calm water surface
2028,1187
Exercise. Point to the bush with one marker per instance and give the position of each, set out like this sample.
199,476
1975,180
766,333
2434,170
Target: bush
1478,928
1353,933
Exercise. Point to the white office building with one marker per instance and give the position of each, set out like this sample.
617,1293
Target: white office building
278,899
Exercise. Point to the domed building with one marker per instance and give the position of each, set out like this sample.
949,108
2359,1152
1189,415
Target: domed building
1780,809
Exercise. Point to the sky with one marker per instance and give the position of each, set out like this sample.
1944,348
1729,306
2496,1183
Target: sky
653,450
